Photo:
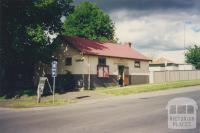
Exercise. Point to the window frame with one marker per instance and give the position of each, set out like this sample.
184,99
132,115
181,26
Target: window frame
66,59
104,75
135,62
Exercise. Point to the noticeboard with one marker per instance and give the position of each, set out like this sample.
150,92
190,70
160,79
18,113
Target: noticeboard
41,85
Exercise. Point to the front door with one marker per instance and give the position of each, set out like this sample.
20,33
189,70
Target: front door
123,75
126,76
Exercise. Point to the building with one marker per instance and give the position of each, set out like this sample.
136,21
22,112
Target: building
186,66
95,64
163,64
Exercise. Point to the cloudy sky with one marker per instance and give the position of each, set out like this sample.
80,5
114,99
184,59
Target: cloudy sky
154,25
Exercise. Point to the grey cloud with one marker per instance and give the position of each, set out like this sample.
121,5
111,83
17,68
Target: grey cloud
112,5
158,45
158,17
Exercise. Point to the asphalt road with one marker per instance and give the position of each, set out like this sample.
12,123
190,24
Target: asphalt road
126,114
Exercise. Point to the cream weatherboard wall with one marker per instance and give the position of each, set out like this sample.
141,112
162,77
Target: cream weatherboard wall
76,67
89,65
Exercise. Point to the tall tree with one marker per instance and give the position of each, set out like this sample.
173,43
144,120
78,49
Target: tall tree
193,56
89,21
25,28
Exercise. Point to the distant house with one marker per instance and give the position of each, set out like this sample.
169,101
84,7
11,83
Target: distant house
162,64
186,66
95,64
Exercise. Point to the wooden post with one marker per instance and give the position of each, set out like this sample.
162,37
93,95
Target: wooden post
39,95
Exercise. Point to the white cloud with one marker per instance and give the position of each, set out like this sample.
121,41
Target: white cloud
157,31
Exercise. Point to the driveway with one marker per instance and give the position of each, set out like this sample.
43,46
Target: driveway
142,113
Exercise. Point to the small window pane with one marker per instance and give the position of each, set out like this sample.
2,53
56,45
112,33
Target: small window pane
181,109
106,72
172,109
100,71
102,61
68,61
190,109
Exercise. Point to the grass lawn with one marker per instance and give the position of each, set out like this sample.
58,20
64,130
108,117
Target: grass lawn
31,101
27,100
147,87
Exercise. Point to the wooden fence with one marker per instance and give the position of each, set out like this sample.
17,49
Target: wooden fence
175,75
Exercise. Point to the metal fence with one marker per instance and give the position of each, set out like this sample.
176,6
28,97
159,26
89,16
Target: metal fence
175,75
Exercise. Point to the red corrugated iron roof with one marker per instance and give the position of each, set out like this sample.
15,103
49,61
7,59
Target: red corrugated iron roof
91,47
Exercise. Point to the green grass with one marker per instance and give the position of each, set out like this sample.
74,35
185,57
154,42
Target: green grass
2,98
31,101
147,87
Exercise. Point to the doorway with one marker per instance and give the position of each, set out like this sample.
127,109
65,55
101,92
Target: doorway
126,76
123,77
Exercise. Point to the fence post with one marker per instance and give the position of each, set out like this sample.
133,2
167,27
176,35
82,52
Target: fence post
151,77
167,76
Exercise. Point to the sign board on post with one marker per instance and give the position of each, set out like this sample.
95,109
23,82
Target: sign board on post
54,74
40,88
54,68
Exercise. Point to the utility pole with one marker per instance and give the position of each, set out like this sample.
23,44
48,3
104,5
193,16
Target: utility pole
89,73
54,74
54,81
184,36
89,78
184,43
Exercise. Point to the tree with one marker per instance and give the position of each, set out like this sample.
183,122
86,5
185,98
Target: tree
25,41
193,56
89,21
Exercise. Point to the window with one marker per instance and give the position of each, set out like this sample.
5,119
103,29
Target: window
102,61
181,109
68,61
137,64
172,109
190,109
102,71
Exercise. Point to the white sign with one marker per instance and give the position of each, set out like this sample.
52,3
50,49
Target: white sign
54,68
182,113
41,85
54,72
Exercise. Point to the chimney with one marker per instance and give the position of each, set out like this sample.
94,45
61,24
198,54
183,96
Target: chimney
130,44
